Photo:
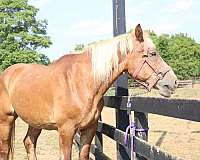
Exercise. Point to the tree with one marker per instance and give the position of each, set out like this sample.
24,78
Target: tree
21,34
79,47
181,52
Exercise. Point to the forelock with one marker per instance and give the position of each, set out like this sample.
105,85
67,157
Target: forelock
149,43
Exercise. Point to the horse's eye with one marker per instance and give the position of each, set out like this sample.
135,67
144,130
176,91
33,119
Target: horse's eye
153,53
144,55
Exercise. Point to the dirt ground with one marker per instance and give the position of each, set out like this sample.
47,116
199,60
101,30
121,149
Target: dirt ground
177,137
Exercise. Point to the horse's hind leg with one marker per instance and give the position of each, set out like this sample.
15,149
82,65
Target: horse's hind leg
30,142
6,137
7,125
5,141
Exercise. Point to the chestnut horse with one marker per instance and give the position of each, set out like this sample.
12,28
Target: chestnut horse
67,95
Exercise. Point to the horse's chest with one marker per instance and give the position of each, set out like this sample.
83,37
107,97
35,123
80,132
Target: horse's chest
90,116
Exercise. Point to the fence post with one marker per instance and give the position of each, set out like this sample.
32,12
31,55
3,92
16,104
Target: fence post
141,121
99,141
122,120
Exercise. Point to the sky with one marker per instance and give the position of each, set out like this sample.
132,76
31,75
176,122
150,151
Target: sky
72,22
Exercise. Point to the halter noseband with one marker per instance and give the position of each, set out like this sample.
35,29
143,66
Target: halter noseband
159,73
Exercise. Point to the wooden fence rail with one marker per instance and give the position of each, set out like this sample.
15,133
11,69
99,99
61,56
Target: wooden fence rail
178,108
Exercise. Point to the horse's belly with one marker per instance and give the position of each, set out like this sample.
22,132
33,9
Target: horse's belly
46,125
36,120
34,111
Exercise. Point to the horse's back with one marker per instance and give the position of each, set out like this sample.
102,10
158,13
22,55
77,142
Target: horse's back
16,71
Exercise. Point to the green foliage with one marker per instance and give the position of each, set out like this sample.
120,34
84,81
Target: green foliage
21,34
23,57
181,52
79,47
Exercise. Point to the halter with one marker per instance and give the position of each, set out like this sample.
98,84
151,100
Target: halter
159,73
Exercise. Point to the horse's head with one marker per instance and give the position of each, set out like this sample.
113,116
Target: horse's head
147,67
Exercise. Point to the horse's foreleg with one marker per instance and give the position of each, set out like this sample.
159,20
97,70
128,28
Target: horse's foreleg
30,141
66,135
86,139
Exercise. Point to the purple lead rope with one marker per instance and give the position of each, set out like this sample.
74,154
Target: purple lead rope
133,130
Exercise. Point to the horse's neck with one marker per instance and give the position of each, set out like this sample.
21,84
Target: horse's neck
104,86
100,87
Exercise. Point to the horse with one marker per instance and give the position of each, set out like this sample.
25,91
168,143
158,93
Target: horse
67,95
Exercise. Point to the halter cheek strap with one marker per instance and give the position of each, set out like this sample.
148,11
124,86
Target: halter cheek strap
138,69
159,73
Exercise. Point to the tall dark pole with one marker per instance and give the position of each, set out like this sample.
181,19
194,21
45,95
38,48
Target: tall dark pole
122,121
119,18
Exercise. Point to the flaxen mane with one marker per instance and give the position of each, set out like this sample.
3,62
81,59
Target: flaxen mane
104,54
105,57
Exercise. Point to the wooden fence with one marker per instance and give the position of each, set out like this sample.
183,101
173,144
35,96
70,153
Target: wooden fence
178,108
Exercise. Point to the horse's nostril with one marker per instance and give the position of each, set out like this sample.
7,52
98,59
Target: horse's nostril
176,83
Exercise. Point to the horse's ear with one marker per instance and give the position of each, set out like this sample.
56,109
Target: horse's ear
139,33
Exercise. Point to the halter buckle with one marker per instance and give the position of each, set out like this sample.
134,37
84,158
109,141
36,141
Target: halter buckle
160,76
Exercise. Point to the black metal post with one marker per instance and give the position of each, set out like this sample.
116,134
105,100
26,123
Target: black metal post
122,120
141,121
119,18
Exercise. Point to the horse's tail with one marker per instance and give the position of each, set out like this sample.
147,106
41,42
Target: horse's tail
11,141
